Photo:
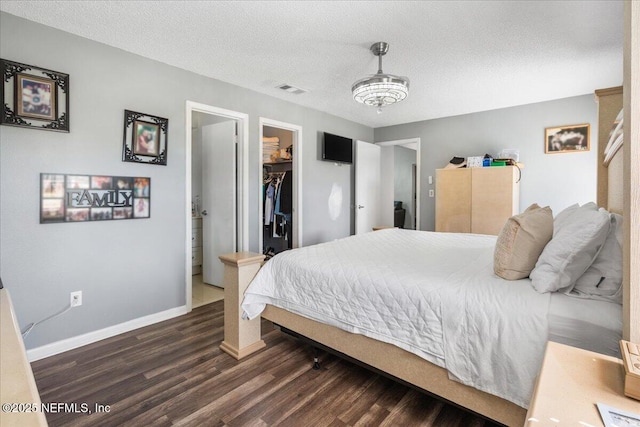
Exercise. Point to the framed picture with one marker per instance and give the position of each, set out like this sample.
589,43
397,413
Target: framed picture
52,186
145,138
34,97
51,210
567,139
141,187
86,198
146,141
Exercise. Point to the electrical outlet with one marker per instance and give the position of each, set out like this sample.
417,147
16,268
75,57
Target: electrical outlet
76,298
431,193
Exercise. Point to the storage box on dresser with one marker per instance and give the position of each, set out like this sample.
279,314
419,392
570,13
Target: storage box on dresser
476,200
196,245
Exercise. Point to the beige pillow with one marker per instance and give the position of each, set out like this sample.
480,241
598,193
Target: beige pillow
521,242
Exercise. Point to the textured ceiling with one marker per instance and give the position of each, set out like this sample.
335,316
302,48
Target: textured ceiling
461,56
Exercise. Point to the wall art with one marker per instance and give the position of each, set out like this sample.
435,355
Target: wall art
34,97
145,138
567,139
79,198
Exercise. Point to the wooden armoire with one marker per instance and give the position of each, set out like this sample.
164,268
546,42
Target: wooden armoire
476,200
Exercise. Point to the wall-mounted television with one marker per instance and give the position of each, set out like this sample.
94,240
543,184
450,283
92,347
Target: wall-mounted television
337,148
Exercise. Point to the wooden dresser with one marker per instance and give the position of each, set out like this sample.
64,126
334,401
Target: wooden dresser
20,398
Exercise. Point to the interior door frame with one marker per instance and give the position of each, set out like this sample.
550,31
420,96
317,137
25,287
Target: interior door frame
242,196
296,167
410,141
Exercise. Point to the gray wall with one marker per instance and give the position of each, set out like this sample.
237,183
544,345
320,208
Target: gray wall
556,180
127,269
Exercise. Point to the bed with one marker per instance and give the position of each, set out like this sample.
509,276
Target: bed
429,303
431,294
438,319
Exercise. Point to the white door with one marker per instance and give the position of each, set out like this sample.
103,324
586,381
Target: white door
218,198
367,195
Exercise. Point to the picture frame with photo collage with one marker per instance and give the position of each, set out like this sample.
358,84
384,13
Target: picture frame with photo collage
82,198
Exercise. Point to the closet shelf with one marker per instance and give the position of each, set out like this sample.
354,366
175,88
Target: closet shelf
279,166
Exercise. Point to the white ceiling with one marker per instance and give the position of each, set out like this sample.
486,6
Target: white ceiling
461,56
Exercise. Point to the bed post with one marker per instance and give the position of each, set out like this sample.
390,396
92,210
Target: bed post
241,337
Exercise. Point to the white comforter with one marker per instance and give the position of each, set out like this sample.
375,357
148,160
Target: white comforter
433,294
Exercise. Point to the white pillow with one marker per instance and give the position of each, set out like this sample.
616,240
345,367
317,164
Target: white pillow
603,279
561,218
571,250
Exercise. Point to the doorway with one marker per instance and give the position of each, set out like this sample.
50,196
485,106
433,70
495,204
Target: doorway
216,188
400,173
280,203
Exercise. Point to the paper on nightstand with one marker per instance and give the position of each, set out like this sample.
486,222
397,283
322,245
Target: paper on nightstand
613,417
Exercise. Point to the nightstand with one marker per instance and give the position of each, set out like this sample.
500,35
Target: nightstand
570,384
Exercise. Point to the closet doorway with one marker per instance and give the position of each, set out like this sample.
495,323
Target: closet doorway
216,197
280,205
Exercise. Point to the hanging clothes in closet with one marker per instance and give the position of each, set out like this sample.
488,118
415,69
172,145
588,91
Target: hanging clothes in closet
277,187
272,185
283,208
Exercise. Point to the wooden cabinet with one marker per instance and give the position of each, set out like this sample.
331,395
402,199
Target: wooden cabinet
453,200
196,246
476,200
18,387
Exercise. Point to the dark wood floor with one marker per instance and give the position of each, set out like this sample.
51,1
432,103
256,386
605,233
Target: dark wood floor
173,373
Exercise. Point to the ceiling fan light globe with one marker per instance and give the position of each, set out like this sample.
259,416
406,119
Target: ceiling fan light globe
381,90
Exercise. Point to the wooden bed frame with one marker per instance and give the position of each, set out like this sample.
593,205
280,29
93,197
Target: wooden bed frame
400,364
242,337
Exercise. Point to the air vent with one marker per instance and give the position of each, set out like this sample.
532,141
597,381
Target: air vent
291,89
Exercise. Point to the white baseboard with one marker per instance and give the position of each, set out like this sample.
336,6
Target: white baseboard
91,337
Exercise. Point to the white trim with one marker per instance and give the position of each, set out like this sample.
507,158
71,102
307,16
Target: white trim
243,187
90,337
411,141
418,182
408,141
188,214
297,179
